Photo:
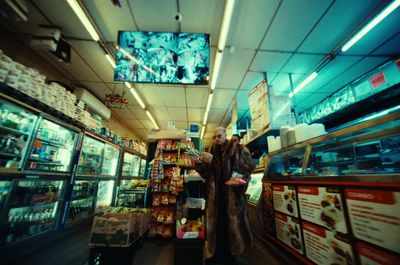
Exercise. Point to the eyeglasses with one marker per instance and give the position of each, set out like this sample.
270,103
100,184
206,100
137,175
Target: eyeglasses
219,136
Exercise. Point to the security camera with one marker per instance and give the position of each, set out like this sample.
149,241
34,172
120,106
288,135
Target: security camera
178,17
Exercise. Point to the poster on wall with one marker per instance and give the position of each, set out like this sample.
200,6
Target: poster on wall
288,231
268,209
322,206
285,200
259,105
322,247
369,255
375,216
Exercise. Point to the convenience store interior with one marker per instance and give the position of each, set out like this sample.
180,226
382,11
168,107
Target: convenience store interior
284,42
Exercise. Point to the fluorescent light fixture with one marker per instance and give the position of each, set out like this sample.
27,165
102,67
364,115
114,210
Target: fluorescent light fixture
152,119
209,101
304,83
226,21
136,95
375,21
202,132
217,65
84,19
110,60
205,118
132,58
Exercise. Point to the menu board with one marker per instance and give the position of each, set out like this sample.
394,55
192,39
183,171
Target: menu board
322,247
369,255
323,206
288,231
375,216
285,199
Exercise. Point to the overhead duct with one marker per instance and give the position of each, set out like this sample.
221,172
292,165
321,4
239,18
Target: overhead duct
93,103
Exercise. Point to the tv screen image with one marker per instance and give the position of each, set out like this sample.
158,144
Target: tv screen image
162,57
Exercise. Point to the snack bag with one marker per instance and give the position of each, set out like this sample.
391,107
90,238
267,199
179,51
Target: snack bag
236,180
160,229
164,199
161,217
156,200
169,218
172,199
167,231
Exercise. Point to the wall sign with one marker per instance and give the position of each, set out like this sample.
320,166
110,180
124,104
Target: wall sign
369,255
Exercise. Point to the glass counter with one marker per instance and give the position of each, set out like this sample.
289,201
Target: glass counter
90,157
53,148
286,164
16,127
131,165
110,161
33,208
255,187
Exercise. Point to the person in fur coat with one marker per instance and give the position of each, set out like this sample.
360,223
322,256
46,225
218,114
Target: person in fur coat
227,227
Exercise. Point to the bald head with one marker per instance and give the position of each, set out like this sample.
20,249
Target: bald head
219,135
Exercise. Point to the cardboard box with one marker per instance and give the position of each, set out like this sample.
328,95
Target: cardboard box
115,230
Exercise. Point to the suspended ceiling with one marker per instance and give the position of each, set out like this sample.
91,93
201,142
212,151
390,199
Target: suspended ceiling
273,38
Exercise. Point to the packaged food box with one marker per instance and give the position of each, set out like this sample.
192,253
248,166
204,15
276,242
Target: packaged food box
115,230
189,229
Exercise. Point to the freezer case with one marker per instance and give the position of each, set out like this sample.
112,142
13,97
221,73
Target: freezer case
105,194
82,201
90,157
33,208
110,161
131,165
53,148
16,127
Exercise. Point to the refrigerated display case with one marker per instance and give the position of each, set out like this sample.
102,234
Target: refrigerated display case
131,165
53,148
254,188
142,167
82,201
110,161
4,191
16,127
33,208
90,157
104,194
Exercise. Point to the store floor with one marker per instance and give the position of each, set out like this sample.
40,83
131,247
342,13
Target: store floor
74,250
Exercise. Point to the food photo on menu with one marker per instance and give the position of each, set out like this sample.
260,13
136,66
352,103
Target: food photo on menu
285,200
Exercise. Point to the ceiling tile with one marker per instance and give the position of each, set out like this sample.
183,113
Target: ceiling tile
195,114
173,96
197,96
211,127
302,63
269,61
109,18
216,116
138,112
202,17
222,98
390,48
251,80
124,113
246,31
177,114
181,125
281,83
160,113
147,124
151,94
233,68
292,23
134,124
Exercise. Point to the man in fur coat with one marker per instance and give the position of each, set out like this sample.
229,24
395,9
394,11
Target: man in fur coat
227,227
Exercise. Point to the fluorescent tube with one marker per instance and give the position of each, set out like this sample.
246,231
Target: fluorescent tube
217,65
110,60
152,119
226,21
304,83
84,19
202,132
209,101
205,118
136,95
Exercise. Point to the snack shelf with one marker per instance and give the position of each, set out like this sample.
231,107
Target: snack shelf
7,129
55,163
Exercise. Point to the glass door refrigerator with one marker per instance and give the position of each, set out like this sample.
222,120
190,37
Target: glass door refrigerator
16,129
108,175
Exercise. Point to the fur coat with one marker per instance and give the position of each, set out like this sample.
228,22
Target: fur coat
234,158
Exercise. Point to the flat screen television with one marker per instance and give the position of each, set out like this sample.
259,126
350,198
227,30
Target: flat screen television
162,57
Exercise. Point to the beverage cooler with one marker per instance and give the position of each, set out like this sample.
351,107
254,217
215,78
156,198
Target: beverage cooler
142,168
16,127
82,200
131,165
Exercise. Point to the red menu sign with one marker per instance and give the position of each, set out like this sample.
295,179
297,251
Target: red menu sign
377,80
375,216
288,231
322,206
322,247
369,255
285,200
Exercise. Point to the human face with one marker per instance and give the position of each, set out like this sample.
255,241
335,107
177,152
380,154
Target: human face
235,140
219,137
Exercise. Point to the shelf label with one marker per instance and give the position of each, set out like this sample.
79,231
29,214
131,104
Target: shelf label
288,231
377,80
322,247
32,177
285,200
375,216
369,255
322,206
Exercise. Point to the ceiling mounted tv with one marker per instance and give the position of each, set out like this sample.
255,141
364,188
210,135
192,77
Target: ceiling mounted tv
163,57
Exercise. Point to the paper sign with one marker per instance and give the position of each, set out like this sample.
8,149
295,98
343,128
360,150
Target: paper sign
369,255
259,103
322,206
377,80
288,231
323,248
285,200
375,216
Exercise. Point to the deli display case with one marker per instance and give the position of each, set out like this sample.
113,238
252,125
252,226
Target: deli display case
53,147
33,208
16,128
91,156
328,199
82,201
